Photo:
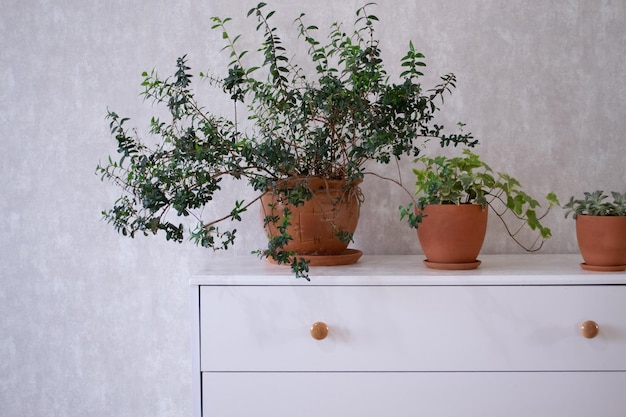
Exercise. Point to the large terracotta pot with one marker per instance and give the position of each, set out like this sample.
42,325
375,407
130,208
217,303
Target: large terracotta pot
317,224
602,242
452,235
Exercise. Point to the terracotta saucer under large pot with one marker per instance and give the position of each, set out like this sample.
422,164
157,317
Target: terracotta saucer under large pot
317,224
452,235
602,242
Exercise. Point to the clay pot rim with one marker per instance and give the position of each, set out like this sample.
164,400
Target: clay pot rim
279,184
485,207
318,185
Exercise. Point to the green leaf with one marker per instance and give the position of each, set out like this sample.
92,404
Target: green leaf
552,199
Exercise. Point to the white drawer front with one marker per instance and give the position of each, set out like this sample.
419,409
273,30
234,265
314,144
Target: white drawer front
377,328
472,394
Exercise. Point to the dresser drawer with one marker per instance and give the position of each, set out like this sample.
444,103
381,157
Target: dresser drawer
471,394
412,328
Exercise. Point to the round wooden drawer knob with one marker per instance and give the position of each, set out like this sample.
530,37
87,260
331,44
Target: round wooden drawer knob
319,330
589,329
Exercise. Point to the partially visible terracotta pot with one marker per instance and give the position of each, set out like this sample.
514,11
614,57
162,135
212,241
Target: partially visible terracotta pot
602,241
316,225
452,235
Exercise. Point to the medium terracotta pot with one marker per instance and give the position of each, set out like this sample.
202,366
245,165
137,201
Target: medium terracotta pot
317,224
452,235
602,241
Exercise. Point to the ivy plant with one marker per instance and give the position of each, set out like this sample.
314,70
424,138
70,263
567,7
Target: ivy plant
326,123
594,204
467,179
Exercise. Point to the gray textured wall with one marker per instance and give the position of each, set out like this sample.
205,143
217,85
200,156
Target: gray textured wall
92,324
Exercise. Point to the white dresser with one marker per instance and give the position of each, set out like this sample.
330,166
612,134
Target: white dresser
405,341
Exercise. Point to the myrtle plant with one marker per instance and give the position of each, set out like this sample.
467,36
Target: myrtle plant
326,123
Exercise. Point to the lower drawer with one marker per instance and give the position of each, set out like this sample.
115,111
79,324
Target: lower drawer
497,394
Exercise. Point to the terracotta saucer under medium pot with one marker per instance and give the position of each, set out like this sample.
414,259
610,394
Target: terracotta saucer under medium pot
317,224
602,242
458,266
452,235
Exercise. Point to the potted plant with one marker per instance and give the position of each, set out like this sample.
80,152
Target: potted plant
303,143
600,230
450,213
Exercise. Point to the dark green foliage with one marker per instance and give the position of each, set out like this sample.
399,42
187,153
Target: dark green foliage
326,124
